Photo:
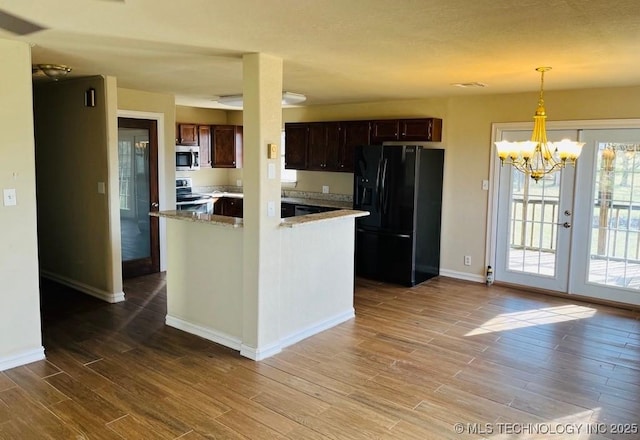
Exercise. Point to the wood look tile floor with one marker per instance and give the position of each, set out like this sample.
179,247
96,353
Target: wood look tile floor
411,365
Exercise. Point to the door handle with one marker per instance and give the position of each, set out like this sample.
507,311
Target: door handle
564,225
155,205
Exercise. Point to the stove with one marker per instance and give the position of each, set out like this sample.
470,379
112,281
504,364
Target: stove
187,200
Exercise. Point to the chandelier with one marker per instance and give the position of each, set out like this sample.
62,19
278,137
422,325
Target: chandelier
539,157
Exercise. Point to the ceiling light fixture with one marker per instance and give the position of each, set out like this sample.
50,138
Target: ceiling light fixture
53,71
538,157
468,85
288,98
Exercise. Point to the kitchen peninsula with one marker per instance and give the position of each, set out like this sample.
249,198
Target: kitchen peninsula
205,275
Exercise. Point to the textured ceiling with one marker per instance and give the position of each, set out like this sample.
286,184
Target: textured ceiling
339,51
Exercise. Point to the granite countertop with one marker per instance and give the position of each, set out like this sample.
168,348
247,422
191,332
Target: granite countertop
302,220
234,222
325,203
200,217
218,194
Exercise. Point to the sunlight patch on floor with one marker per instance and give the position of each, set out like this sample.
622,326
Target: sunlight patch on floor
530,318
580,425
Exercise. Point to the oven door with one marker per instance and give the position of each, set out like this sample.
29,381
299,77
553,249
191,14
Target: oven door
200,205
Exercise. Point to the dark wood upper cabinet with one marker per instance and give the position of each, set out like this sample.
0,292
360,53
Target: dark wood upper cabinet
429,129
385,130
204,140
226,146
330,146
187,134
354,133
424,129
324,146
296,142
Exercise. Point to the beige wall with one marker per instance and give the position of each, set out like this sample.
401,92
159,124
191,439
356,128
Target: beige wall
19,294
74,221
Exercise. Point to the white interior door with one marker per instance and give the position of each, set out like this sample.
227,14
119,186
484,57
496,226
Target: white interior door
606,257
534,221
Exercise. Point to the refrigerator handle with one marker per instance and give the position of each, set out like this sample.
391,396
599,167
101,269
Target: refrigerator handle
378,189
383,198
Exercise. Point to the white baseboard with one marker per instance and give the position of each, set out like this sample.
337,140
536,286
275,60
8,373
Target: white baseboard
204,332
258,354
462,275
84,288
317,328
21,359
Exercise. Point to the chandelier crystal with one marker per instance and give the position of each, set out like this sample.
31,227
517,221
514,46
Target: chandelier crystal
539,157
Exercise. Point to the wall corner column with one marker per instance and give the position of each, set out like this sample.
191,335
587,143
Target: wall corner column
262,120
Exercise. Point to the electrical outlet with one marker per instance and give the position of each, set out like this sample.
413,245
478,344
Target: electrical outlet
9,196
238,182
325,189
467,260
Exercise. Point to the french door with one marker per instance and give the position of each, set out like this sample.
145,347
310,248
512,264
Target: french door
138,181
576,231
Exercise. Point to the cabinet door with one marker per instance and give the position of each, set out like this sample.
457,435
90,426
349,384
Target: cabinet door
428,129
232,207
385,130
223,146
296,142
354,133
317,149
324,145
187,134
287,210
204,140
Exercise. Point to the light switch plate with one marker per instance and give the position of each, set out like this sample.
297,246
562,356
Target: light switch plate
9,197
485,185
271,209
271,171
325,189
101,188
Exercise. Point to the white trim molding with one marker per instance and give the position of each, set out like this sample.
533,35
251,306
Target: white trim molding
26,357
258,353
84,288
462,275
318,327
204,332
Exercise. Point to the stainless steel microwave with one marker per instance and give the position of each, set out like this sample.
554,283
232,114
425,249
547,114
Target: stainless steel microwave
187,158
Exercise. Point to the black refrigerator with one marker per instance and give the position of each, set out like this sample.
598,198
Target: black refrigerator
401,187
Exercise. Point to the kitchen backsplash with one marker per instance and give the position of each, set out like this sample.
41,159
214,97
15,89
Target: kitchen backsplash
285,193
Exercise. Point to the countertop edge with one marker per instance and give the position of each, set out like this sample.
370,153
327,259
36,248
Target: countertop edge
302,220
199,217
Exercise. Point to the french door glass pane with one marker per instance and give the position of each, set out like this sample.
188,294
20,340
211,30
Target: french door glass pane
615,239
533,224
133,155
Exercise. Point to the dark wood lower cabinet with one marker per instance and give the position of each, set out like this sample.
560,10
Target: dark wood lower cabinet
228,206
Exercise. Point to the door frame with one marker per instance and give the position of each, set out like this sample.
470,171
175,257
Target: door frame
497,128
162,177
